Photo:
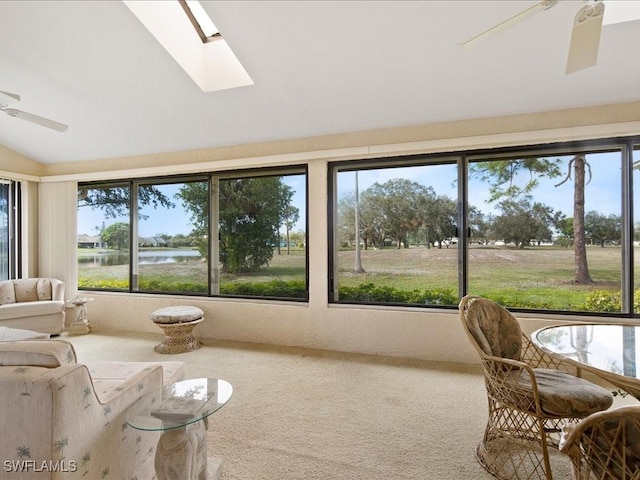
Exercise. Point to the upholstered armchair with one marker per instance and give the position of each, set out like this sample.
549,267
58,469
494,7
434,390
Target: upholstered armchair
529,395
65,420
605,445
33,304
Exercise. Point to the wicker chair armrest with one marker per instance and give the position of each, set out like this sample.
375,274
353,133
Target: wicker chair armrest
502,377
572,433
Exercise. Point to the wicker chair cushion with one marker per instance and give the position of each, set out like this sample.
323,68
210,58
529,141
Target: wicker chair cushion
496,331
562,394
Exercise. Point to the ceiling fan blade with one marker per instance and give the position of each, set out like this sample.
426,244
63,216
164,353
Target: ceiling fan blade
6,97
543,5
30,117
585,37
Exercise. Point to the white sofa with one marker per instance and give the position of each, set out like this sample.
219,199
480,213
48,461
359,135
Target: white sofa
63,420
35,304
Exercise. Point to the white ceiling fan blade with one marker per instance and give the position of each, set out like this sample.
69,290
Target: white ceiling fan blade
543,5
30,117
6,97
585,37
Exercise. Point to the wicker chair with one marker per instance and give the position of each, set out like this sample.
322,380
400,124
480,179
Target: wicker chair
605,445
530,394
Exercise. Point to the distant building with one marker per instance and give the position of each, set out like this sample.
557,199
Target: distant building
152,242
88,241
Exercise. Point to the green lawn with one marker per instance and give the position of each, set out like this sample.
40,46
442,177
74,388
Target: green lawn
538,277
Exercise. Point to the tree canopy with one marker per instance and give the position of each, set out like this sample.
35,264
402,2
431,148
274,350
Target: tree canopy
250,212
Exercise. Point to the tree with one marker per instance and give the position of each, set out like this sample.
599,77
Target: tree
439,218
116,235
399,204
115,201
250,212
503,175
565,229
521,222
291,216
580,165
600,229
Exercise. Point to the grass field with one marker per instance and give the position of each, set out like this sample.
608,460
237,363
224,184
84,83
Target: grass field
540,276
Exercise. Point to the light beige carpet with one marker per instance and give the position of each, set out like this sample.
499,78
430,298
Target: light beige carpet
299,414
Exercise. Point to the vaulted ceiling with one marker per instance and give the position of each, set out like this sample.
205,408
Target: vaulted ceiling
318,67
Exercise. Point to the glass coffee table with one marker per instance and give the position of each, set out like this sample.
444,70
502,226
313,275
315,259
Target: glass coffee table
180,412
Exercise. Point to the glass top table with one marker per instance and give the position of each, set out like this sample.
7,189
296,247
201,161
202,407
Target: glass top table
179,404
177,411
609,350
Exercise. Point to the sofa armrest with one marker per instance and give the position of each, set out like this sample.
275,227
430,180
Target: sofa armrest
94,432
38,353
57,289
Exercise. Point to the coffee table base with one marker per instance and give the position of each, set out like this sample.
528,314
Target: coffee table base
182,455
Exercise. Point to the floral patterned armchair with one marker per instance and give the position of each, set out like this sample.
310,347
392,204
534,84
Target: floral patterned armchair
65,420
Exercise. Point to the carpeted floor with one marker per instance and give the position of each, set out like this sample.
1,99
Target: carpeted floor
299,414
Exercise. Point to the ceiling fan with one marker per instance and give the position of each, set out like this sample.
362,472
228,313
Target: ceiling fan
586,29
6,98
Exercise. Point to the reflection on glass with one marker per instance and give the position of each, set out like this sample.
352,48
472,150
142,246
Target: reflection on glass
612,348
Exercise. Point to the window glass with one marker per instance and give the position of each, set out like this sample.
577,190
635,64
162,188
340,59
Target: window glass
254,226
172,238
104,234
4,229
261,236
395,235
9,229
546,231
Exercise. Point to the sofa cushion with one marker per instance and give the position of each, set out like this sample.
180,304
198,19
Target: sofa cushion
37,353
26,289
30,309
7,292
43,289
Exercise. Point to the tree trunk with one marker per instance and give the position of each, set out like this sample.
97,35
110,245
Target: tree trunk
580,249
357,267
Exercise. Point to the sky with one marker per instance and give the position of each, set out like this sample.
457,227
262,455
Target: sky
602,194
175,221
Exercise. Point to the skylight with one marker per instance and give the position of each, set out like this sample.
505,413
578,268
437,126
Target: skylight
211,64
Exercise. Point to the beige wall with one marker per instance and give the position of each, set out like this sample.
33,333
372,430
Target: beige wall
407,332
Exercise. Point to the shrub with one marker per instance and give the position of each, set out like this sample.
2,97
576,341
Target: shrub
604,301
272,288
371,293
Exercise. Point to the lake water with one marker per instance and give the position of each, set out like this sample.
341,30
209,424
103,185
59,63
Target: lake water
148,257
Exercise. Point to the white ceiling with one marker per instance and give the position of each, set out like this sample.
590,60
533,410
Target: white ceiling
319,68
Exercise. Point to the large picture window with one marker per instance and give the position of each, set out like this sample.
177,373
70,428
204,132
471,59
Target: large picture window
549,228
395,234
234,234
546,230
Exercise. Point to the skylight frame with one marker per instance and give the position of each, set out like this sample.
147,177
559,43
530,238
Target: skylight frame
199,19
